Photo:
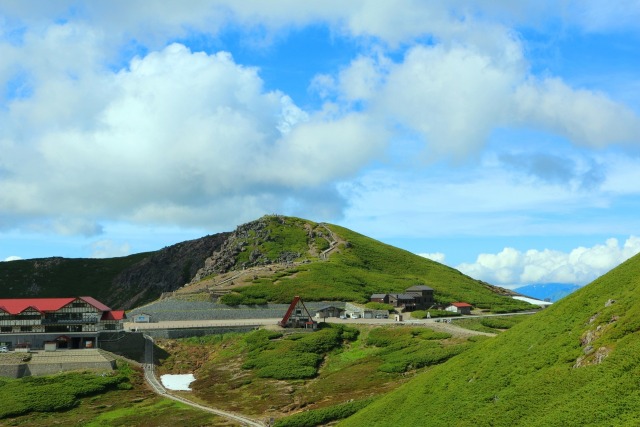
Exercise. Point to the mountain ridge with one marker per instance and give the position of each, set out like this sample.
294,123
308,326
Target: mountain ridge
316,261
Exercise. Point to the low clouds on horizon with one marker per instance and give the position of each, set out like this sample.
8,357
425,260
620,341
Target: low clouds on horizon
513,268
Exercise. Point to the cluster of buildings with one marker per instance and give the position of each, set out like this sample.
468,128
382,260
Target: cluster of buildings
418,297
74,322
414,298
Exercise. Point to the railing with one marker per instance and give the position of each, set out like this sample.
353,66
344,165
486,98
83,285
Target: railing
69,321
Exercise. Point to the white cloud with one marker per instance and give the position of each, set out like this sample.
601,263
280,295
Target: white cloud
434,256
12,258
455,95
580,266
109,249
583,116
451,96
173,137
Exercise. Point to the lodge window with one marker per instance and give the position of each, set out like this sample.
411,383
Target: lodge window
6,329
26,328
22,317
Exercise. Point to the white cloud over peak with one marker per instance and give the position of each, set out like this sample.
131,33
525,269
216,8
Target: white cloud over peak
12,258
579,266
171,138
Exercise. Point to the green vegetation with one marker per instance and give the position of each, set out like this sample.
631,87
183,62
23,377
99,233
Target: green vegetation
360,267
490,324
574,363
271,373
97,402
405,349
153,413
282,236
56,392
317,417
295,357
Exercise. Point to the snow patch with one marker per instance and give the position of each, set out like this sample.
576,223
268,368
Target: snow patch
177,382
533,301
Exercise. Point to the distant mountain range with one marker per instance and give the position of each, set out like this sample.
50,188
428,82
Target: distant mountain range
551,291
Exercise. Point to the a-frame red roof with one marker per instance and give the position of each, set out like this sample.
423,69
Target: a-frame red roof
18,305
94,302
113,315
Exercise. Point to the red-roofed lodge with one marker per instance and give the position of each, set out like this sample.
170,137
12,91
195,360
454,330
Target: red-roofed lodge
74,322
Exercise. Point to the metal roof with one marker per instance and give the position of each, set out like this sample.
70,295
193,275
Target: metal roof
18,305
419,288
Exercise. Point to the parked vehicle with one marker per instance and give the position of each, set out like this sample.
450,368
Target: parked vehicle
4,349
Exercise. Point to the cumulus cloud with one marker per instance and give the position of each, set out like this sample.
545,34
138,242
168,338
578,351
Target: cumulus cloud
173,137
580,266
454,95
583,116
434,256
12,258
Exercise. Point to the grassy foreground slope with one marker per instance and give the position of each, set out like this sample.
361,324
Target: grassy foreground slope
359,267
574,364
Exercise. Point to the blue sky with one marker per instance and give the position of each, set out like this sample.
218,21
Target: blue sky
501,139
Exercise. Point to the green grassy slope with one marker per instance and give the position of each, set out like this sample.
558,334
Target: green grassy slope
361,266
574,364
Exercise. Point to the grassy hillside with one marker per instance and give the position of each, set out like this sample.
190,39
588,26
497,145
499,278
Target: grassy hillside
274,373
574,364
88,399
359,267
316,261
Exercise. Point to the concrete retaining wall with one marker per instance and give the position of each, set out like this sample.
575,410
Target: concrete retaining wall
14,371
131,346
197,332
28,369
55,368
